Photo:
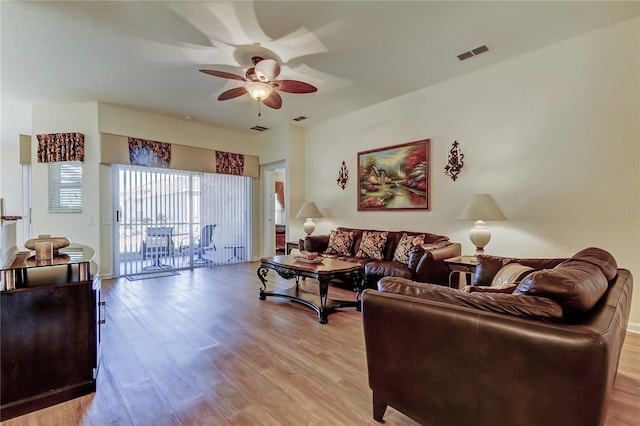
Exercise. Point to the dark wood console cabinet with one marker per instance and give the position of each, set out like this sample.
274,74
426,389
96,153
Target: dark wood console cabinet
49,337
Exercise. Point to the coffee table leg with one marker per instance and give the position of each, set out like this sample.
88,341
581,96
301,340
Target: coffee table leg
324,294
359,288
262,274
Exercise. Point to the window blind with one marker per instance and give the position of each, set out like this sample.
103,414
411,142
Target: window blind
186,203
65,187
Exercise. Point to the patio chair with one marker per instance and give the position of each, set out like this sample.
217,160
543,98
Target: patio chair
158,243
204,244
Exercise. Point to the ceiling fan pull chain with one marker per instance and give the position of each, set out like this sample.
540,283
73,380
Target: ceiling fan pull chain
259,112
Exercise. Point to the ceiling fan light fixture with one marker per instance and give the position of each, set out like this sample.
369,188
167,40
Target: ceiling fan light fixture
258,91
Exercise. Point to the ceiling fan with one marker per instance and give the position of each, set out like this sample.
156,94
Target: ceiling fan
261,84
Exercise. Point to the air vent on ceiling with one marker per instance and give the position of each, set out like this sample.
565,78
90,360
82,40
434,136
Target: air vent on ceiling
259,128
302,117
473,52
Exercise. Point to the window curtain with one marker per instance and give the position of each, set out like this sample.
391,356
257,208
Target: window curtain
148,153
55,147
229,163
280,192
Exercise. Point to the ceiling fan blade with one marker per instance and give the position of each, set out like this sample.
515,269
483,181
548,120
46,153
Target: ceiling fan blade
224,75
232,93
273,100
294,86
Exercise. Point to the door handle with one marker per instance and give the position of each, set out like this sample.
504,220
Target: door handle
102,314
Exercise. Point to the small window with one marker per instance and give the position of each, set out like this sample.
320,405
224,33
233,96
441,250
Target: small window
65,187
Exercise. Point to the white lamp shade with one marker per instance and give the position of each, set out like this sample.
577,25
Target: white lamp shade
482,207
308,211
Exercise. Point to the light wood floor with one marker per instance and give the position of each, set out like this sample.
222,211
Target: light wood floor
201,349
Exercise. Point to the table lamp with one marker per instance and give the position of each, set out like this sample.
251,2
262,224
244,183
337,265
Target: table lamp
308,211
480,208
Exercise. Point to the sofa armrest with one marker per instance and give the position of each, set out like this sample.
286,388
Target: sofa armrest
432,268
315,243
454,365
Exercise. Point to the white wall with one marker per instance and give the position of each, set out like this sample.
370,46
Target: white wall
140,124
81,228
15,120
553,135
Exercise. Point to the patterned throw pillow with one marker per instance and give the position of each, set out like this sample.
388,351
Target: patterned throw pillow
407,242
372,244
511,273
340,242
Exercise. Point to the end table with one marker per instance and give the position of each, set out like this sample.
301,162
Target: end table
462,265
290,246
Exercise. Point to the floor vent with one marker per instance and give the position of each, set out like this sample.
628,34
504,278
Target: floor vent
302,117
259,128
473,52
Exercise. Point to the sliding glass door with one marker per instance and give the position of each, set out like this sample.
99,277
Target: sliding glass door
169,220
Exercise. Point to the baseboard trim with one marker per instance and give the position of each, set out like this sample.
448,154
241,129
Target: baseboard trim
47,399
633,327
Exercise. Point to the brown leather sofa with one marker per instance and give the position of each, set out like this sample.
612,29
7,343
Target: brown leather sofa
425,263
544,354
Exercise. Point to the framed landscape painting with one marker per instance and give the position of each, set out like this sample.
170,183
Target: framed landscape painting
395,177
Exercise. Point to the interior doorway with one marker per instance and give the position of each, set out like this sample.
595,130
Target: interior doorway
280,207
275,220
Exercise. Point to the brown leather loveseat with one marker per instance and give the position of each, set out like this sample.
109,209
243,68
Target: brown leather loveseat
423,261
545,353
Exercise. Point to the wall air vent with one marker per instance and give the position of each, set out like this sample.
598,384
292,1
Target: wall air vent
302,117
473,52
259,128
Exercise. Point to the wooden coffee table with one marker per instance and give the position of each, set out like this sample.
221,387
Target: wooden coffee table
330,269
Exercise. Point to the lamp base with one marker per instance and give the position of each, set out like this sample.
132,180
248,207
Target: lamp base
480,236
309,226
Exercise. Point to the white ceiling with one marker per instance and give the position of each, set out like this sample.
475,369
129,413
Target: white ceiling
146,55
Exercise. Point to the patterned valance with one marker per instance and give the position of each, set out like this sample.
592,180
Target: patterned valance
229,163
54,147
148,153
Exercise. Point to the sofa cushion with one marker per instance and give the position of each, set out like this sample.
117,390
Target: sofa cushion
535,307
488,266
511,273
576,285
372,244
340,242
601,258
406,243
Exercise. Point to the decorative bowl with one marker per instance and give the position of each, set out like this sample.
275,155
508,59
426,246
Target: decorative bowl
57,242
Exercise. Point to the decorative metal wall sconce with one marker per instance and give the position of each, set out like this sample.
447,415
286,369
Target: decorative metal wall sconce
455,163
343,176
